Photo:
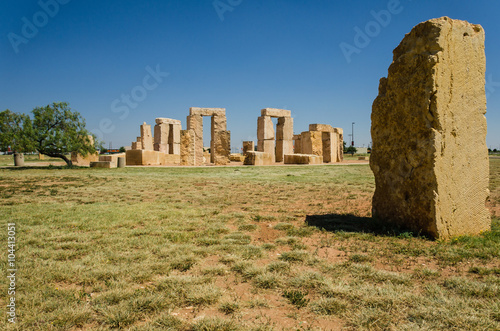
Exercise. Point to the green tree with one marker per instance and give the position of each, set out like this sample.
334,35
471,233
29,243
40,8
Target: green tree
15,132
57,131
351,149
122,149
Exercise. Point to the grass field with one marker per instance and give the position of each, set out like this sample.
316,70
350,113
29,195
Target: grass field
238,248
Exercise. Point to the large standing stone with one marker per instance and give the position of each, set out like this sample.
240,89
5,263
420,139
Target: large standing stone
146,137
187,147
428,129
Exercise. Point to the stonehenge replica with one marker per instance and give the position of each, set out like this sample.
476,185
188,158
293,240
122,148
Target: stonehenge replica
429,153
170,145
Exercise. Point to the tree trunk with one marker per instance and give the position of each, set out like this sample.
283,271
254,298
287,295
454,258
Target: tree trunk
18,159
61,156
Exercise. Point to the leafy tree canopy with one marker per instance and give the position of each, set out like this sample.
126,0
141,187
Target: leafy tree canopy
15,132
57,131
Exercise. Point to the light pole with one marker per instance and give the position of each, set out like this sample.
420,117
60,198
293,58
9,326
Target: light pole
352,135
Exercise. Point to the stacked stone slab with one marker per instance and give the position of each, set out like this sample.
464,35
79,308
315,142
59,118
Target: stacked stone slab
167,138
284,133
248,146
220,147
428,129
321,140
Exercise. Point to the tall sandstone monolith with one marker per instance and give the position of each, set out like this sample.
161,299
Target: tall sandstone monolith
429,132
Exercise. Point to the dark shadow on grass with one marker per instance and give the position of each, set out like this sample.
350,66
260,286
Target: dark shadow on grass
49,167
357,224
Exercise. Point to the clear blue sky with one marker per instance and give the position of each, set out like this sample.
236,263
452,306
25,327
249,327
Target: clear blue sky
244,56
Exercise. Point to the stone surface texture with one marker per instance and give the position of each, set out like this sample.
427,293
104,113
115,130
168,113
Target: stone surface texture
259,158
429,155
187,148
303,159
146,137
248,146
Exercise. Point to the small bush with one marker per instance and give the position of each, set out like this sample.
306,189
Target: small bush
296,298
328,306
229,308
294,256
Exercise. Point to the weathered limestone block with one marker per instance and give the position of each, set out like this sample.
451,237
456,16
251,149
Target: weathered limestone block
83,161
187,148
195,123
273,112
265,128
145,157
297,143
321,127
175,134
266,146
303,159
283,147
146,137
113,158
222,148
207,111
312,142
248,146
162,120
236,158
284,128
259,158
340,144
161,133
329,146
429,153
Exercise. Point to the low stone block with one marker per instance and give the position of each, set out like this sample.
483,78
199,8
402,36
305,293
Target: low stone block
83,161
113,158
237,158
303,159
144,157
259,158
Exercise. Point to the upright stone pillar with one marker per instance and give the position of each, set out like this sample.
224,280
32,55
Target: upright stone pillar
146,137
284,138
161,134
195,123
429,154
187,147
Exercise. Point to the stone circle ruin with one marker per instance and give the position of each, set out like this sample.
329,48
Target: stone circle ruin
171,145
